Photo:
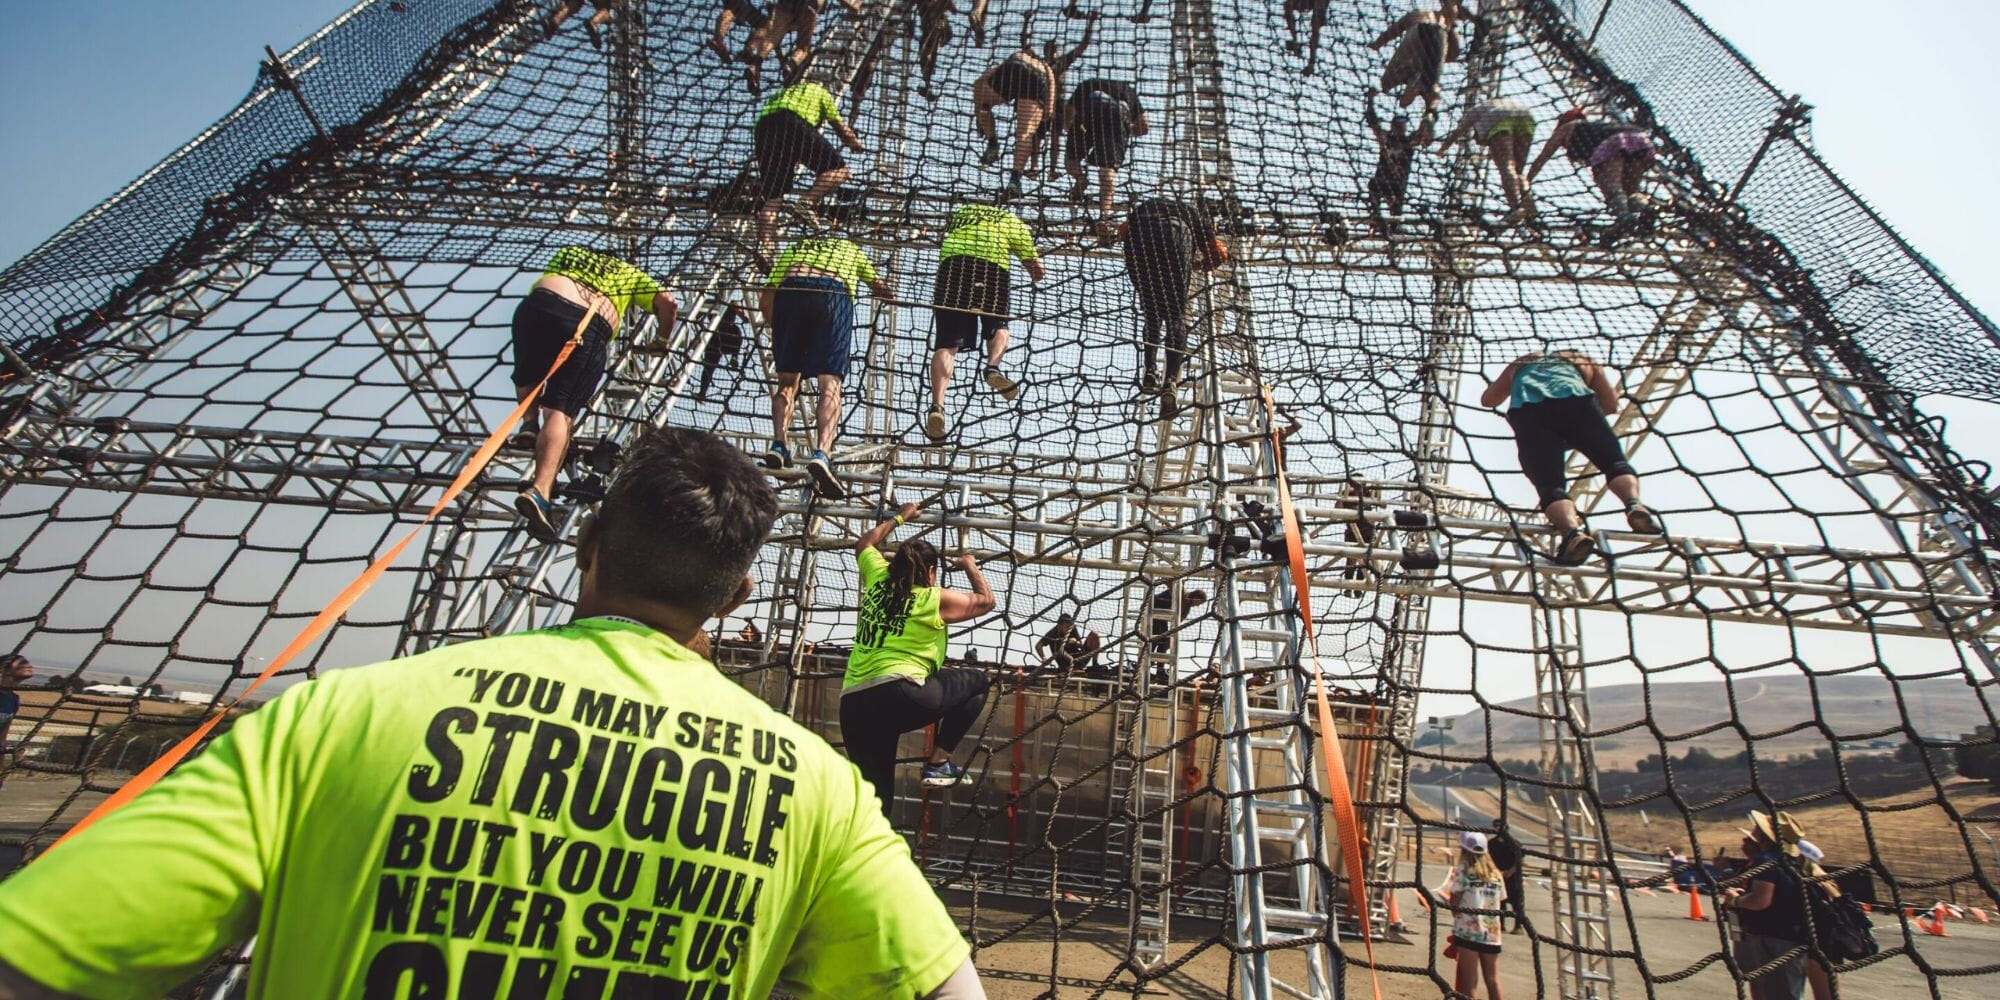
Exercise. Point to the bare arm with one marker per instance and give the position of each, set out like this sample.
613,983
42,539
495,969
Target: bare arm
666,309
1389,34
1452,138
963,985
1427,131
1140,127
847,136
1497,390
958,606
1599,380
1556,140
767,303
1759,896
882,288
874,536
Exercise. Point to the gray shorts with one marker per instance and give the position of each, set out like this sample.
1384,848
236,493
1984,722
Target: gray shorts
1754,951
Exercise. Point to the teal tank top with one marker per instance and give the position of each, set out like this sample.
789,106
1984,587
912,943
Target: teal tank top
1549,377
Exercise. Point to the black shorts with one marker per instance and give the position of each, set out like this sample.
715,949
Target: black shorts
1103,135
968,287
1018,81
746,12
784,143
1476,947
543,323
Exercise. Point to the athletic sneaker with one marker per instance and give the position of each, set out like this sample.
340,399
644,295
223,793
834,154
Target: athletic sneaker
777,456
596,40
943,775
1000,383
524,439
991,154
539,513
822,473
1575,547
934,424
1149,383
1642,519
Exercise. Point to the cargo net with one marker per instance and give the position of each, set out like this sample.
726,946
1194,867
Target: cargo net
236,382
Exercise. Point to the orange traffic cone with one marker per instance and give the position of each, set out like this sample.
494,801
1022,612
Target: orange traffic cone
1939,913
1694,906
1980,915
1933,926
1395,913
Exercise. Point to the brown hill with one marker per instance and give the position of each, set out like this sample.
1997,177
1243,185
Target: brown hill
1854,708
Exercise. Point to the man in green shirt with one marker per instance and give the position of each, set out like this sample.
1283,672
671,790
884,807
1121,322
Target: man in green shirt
588,811
808,300
973,296
787,137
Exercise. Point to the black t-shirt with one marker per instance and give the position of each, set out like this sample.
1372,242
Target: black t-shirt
1785,918
1058,637
1203,228
1505,851
1117,90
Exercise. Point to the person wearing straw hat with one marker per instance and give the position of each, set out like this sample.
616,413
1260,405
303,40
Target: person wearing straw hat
1771,912
1474,891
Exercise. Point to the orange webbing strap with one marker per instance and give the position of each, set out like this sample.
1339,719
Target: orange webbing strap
1337,787
331,613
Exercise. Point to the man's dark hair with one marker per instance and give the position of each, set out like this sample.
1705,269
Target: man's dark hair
685,516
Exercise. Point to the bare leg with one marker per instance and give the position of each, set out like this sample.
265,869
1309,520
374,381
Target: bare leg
1027,118
1611,181
602,17
995,346
767,226
720,43
824,184
1821,980
550,446
1489,966
782,397
1562,514
1502,150
564,11
1521,144
984,99
943,360
1466,977
828,412
802,37
1107,186
1625,488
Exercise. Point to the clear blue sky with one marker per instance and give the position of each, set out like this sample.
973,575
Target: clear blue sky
103,91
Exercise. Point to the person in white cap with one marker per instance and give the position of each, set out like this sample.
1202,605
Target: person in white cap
1474,892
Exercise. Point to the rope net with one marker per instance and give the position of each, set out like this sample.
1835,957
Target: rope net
233,383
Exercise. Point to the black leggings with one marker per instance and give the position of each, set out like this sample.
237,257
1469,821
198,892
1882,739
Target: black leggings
1545,431
872,720
1159,258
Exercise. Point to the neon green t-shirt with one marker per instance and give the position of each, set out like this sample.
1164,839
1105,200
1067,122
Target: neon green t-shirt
989,233
890,642
809,101
830,254
626,286
586,811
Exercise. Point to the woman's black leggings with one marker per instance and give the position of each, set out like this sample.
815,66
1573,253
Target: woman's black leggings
1545,431
872,720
